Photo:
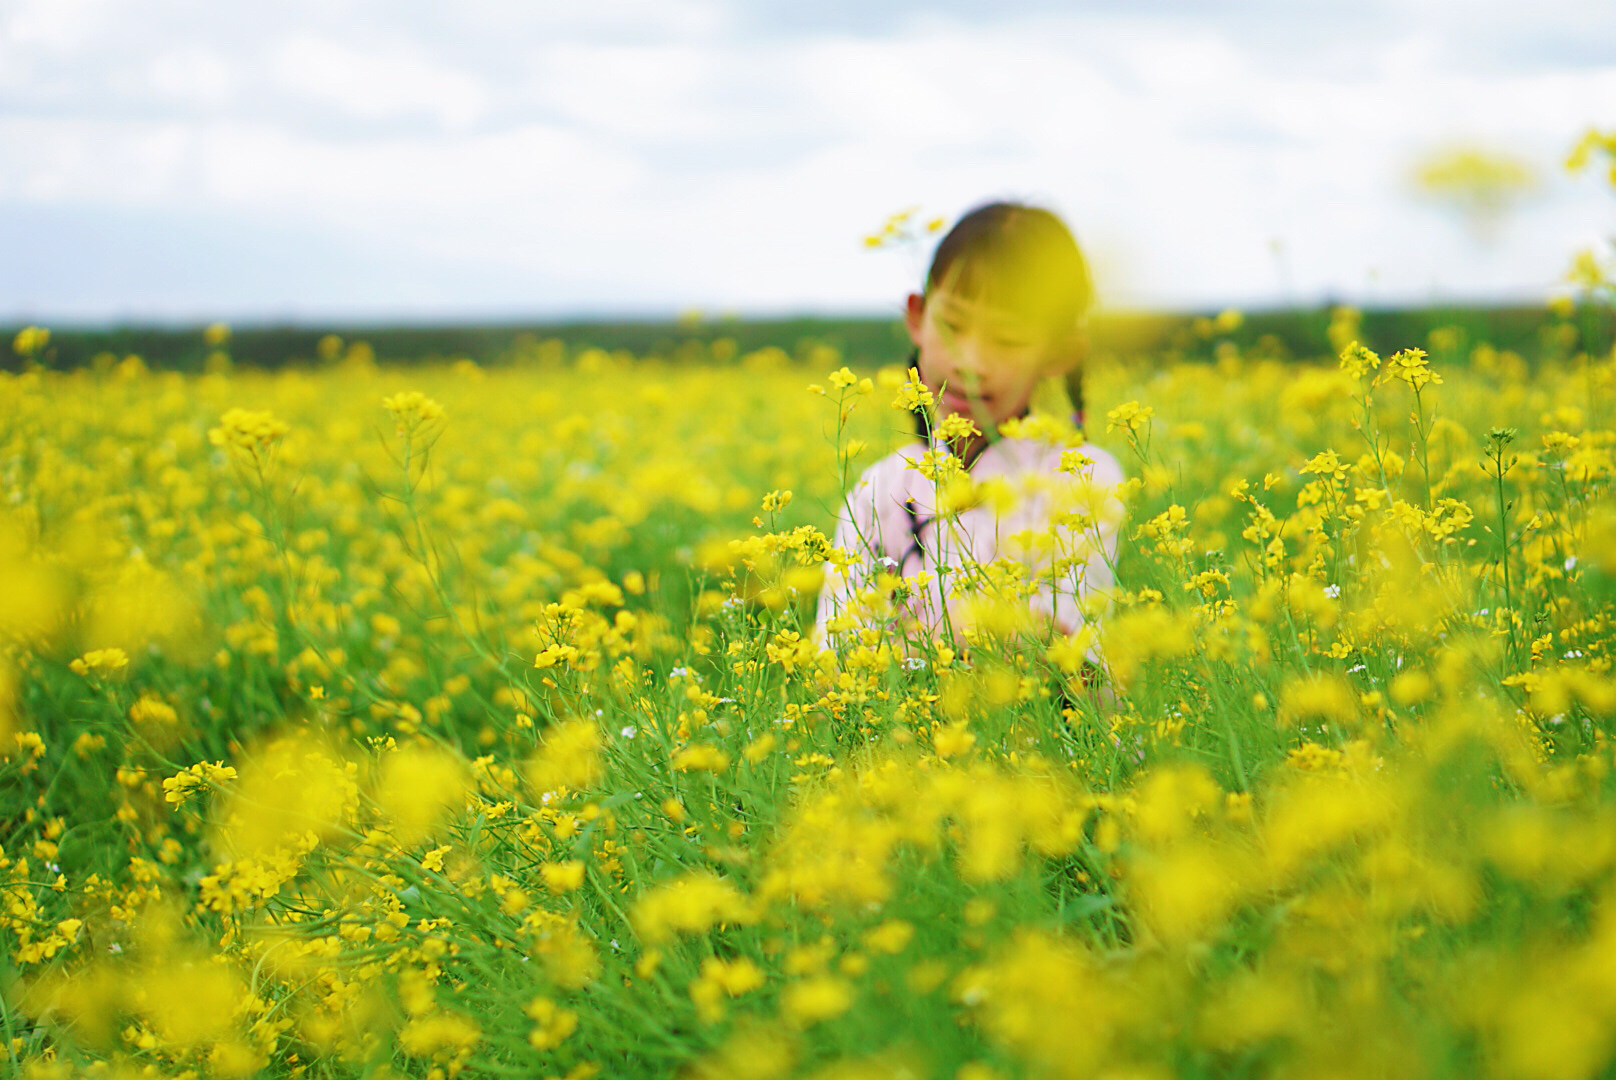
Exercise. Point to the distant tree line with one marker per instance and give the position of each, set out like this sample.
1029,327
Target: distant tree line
1533,332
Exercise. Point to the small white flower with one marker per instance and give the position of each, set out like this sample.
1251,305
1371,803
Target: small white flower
1332,591
629,732
1571,564
678,673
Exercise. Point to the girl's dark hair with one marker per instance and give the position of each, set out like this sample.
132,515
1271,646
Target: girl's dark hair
1021,258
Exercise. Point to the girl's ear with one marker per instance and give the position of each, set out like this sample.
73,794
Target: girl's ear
914,314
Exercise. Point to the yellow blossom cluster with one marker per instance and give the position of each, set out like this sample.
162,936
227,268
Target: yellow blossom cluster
499,742
248,431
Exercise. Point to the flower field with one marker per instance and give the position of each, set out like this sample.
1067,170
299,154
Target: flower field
373,721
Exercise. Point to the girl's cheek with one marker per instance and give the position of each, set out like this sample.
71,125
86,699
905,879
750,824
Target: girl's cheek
935,367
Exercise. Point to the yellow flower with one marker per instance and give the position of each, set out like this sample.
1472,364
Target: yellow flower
720,979
817,999
182,785
417,788
252,433
1317,697
1130,416
938,466
568,759
30,341
892,936
563,877
101,661
1412,687
151,710
31,743
693,903
554,654
701,757
189,1002
552,1023
436,1032
413,411
1411,367
955,426
1358,361
1326,464
913,395
953,740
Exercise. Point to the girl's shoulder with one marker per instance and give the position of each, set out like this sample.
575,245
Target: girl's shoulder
1106,469
1044,456
894,466
891,480
897,472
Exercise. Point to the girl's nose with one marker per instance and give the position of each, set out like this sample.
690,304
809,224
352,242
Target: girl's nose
972,362
969,353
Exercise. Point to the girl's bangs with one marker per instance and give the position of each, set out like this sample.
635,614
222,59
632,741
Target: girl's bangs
1039,291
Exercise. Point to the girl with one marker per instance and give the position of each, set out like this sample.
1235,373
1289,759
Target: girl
1003,309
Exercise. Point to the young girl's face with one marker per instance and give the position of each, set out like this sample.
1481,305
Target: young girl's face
980,361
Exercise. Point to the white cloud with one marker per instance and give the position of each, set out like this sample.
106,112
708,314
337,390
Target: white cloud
637,154
377,84
650,93
93,162
195,77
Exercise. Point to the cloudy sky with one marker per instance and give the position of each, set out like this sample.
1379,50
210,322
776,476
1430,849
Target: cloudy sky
327,159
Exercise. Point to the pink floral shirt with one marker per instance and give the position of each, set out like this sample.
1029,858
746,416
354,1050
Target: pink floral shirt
1032,513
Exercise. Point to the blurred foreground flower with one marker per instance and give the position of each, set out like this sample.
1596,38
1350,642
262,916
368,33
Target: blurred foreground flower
1481,185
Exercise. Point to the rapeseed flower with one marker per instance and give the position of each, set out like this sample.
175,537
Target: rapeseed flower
413,411
251,433
1337,747
30,341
